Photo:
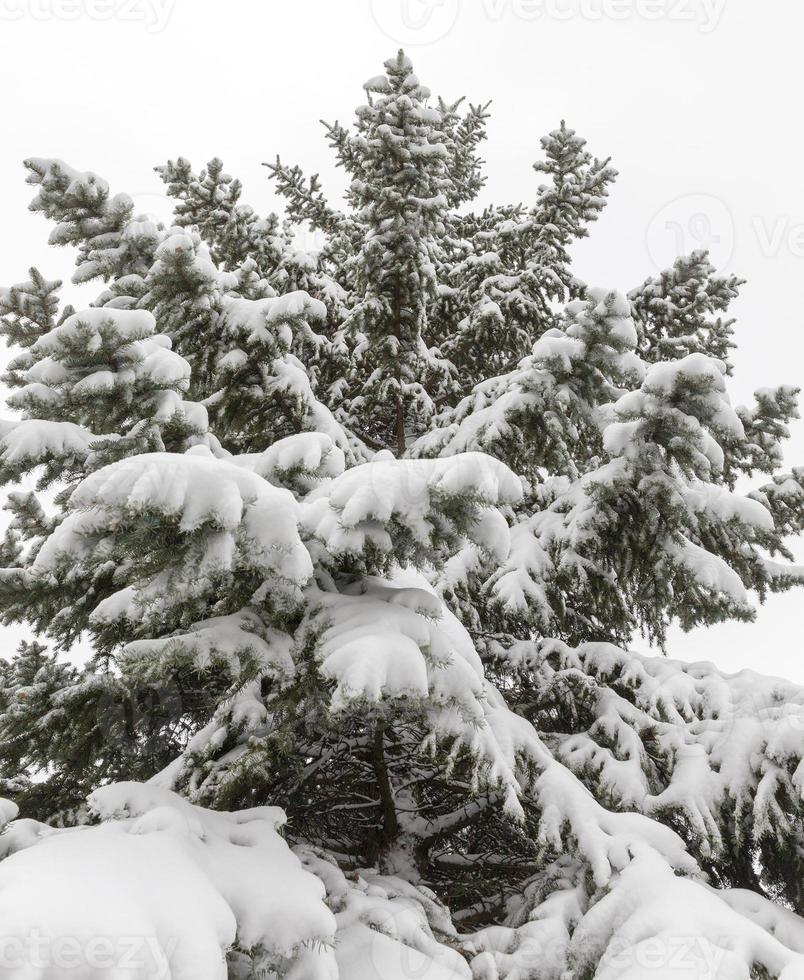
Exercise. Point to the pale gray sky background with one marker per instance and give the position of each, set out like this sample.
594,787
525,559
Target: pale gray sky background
696,101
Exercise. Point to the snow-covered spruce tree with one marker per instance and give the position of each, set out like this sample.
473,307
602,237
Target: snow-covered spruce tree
364,535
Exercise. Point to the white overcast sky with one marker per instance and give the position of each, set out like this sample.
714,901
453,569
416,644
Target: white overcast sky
696,101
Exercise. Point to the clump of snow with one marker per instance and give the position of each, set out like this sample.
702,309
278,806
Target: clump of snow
223,638
359,506
307,458
88,326
35,440
197,883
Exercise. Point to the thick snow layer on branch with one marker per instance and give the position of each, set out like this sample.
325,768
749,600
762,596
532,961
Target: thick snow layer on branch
483,418
89,325
235,517
654,923
541,402
197,489
709,571
688,394
396,640
225,638
311,456
387,929
647,922
728,745
33,441
721,504
271,320
195,883
358,507
290,381
99,353
80,185
388,641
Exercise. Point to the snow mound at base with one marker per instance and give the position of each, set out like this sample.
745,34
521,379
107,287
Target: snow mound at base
161,888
